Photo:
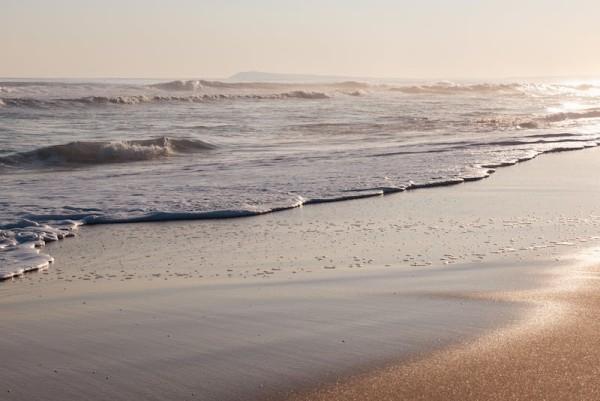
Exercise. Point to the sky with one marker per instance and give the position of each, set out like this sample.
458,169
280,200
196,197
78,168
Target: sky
374,38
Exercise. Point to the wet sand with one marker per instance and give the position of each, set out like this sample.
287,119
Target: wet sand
422,283
233,340
553,355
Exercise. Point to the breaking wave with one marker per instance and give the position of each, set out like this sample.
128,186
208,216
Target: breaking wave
510,122
537,122
138,99
452,88
557,117
177,85
199,84
506,89
90,153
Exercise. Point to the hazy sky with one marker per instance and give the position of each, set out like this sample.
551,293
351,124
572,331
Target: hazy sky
215,38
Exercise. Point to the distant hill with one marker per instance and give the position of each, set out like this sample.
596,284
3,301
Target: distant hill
258,76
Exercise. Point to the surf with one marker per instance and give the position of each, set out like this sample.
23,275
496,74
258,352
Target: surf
105,152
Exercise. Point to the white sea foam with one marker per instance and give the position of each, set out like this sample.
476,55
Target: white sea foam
20,246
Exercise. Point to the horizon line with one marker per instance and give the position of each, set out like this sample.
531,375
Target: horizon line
300,75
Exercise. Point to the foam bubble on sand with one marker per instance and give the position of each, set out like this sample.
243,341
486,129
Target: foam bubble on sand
23,259
20,246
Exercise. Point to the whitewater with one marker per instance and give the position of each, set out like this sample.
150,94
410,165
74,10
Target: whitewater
116,151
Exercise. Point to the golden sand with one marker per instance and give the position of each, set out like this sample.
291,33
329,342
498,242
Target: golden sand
554,355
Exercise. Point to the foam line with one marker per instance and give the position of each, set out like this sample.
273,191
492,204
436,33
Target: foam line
20,242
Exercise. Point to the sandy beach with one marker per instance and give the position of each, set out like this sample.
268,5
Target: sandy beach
479,291
299,201
552,355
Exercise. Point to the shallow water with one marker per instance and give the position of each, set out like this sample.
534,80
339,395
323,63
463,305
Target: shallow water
115,151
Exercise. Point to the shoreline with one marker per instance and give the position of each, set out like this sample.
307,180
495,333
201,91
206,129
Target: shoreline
39,261
257,308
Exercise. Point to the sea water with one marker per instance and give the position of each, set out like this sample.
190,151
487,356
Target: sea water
111,151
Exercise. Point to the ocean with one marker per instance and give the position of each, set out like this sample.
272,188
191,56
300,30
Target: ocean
113,151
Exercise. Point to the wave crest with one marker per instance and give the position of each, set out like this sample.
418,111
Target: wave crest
454,88
139,99
500,122
178,85
104,152
557,117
